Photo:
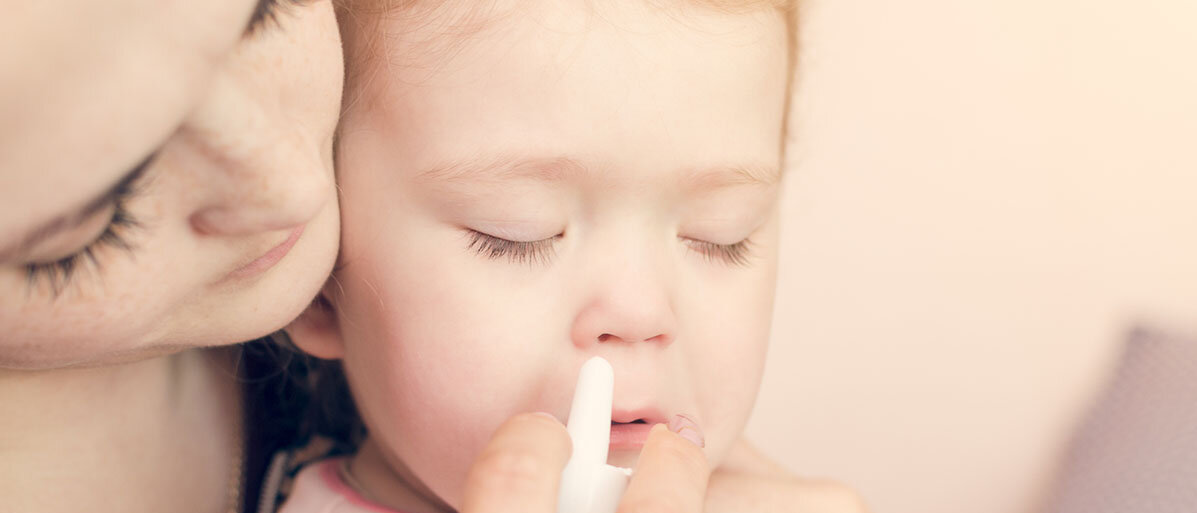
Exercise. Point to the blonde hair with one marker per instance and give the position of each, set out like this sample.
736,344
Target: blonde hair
363,16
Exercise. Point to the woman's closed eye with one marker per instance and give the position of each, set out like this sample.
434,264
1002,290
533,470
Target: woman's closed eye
521,252
58,271
267,11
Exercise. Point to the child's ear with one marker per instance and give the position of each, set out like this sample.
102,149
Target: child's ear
316,331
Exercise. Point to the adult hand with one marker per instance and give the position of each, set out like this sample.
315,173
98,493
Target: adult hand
520,469
749,482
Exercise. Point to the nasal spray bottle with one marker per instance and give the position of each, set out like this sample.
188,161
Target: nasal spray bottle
588,483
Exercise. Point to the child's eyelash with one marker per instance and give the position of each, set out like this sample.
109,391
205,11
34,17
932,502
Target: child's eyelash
737,254
530,252
539,251
58,273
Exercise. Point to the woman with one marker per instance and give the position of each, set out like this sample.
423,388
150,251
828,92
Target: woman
167,179
166,186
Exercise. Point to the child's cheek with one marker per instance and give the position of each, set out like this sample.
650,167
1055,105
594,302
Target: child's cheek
727,322
436,366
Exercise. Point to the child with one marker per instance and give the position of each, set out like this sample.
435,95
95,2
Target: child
528,184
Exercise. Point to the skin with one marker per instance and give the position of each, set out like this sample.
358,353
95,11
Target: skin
146,436
241,127
601,124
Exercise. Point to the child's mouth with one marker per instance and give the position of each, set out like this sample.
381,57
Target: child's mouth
629,436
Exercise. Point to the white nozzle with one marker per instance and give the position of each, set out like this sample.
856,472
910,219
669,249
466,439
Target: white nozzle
588,483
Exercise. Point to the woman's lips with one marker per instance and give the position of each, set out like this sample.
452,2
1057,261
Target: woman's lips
269,258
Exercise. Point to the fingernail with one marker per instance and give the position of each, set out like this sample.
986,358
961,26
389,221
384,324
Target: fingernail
686,428
545,414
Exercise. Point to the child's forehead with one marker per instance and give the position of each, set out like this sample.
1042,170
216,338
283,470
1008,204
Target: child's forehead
562,46
418,37
637,88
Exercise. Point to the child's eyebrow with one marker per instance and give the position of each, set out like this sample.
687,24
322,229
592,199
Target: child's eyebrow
506,168
730,176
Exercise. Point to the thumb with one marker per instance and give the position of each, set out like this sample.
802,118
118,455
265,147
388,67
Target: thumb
520,468
672,472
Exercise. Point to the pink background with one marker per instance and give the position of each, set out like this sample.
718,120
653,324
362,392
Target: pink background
983,196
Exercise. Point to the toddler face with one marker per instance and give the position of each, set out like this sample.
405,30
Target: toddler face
554,183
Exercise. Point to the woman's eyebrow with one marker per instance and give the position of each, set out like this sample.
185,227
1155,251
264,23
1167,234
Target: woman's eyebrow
78,216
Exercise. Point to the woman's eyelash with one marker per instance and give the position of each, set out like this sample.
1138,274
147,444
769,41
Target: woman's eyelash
737,254
530,252
58,274
267,11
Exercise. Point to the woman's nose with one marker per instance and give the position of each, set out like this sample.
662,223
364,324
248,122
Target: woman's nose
267,173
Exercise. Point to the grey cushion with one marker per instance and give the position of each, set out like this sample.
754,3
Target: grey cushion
1137,450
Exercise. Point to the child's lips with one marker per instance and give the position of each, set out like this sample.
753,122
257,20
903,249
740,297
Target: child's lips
628,415
629,436
630,427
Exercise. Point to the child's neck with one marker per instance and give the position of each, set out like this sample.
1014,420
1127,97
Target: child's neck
391,484
153,435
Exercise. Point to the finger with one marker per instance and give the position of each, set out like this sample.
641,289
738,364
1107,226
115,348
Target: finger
671,475
520,467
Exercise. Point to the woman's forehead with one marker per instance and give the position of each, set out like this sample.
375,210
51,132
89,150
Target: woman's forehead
89,89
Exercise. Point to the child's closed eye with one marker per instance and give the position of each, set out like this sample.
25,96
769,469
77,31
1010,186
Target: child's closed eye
530,252
737,254
540,251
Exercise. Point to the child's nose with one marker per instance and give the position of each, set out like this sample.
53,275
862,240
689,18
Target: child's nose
627,311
